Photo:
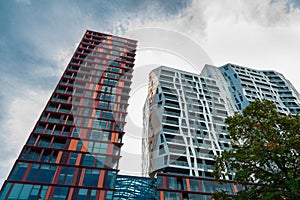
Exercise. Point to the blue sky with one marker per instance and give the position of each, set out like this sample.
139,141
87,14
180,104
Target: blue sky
36,42
38,38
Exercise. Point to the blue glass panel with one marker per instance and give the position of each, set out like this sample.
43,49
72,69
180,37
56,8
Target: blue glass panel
110,179
62,175
82,194
109,195
43,192
172,183
66,175
60,193
46,156
88,160
32,172
91,177
194,185
14,193
18,171
70,175
5,190
25,192
171,195
93,195
207,186
100,161
34,192
159,182
73,159
46,173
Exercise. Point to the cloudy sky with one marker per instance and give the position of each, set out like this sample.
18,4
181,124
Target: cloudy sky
38,39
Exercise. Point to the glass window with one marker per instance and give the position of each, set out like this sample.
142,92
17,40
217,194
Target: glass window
181,184
90,146
82,194
106,89
70,175
46,157
86,112
32,154
5,189
22,191
93,195
106,136
25,192
172,183
100,124
97,115
102,105
16,190
207,186
60,193
109,195
171,195
194,185
34,192
79,145
61,178
97,147
107,115
100,148
44,142
115,64
46,173
32,172
88,160
59,143
19,171
73,158
110,179
109,97
100,161
85,102
160,182
91,177
43,192
95,135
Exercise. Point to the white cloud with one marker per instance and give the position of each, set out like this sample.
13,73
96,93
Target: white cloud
23,112
253,33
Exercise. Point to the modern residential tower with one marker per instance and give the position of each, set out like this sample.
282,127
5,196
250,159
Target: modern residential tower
184,123
74,148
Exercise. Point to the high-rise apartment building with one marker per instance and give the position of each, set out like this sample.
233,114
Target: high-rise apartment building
247,84
74,148
185,118
184,123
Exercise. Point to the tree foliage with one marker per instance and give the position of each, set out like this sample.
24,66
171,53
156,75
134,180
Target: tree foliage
267,148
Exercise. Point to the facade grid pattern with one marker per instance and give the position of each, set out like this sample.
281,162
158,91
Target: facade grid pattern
184,123
74,148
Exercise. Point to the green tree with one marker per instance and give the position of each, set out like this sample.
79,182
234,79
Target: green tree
266,149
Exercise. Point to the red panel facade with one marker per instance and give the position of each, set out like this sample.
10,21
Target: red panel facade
74,148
